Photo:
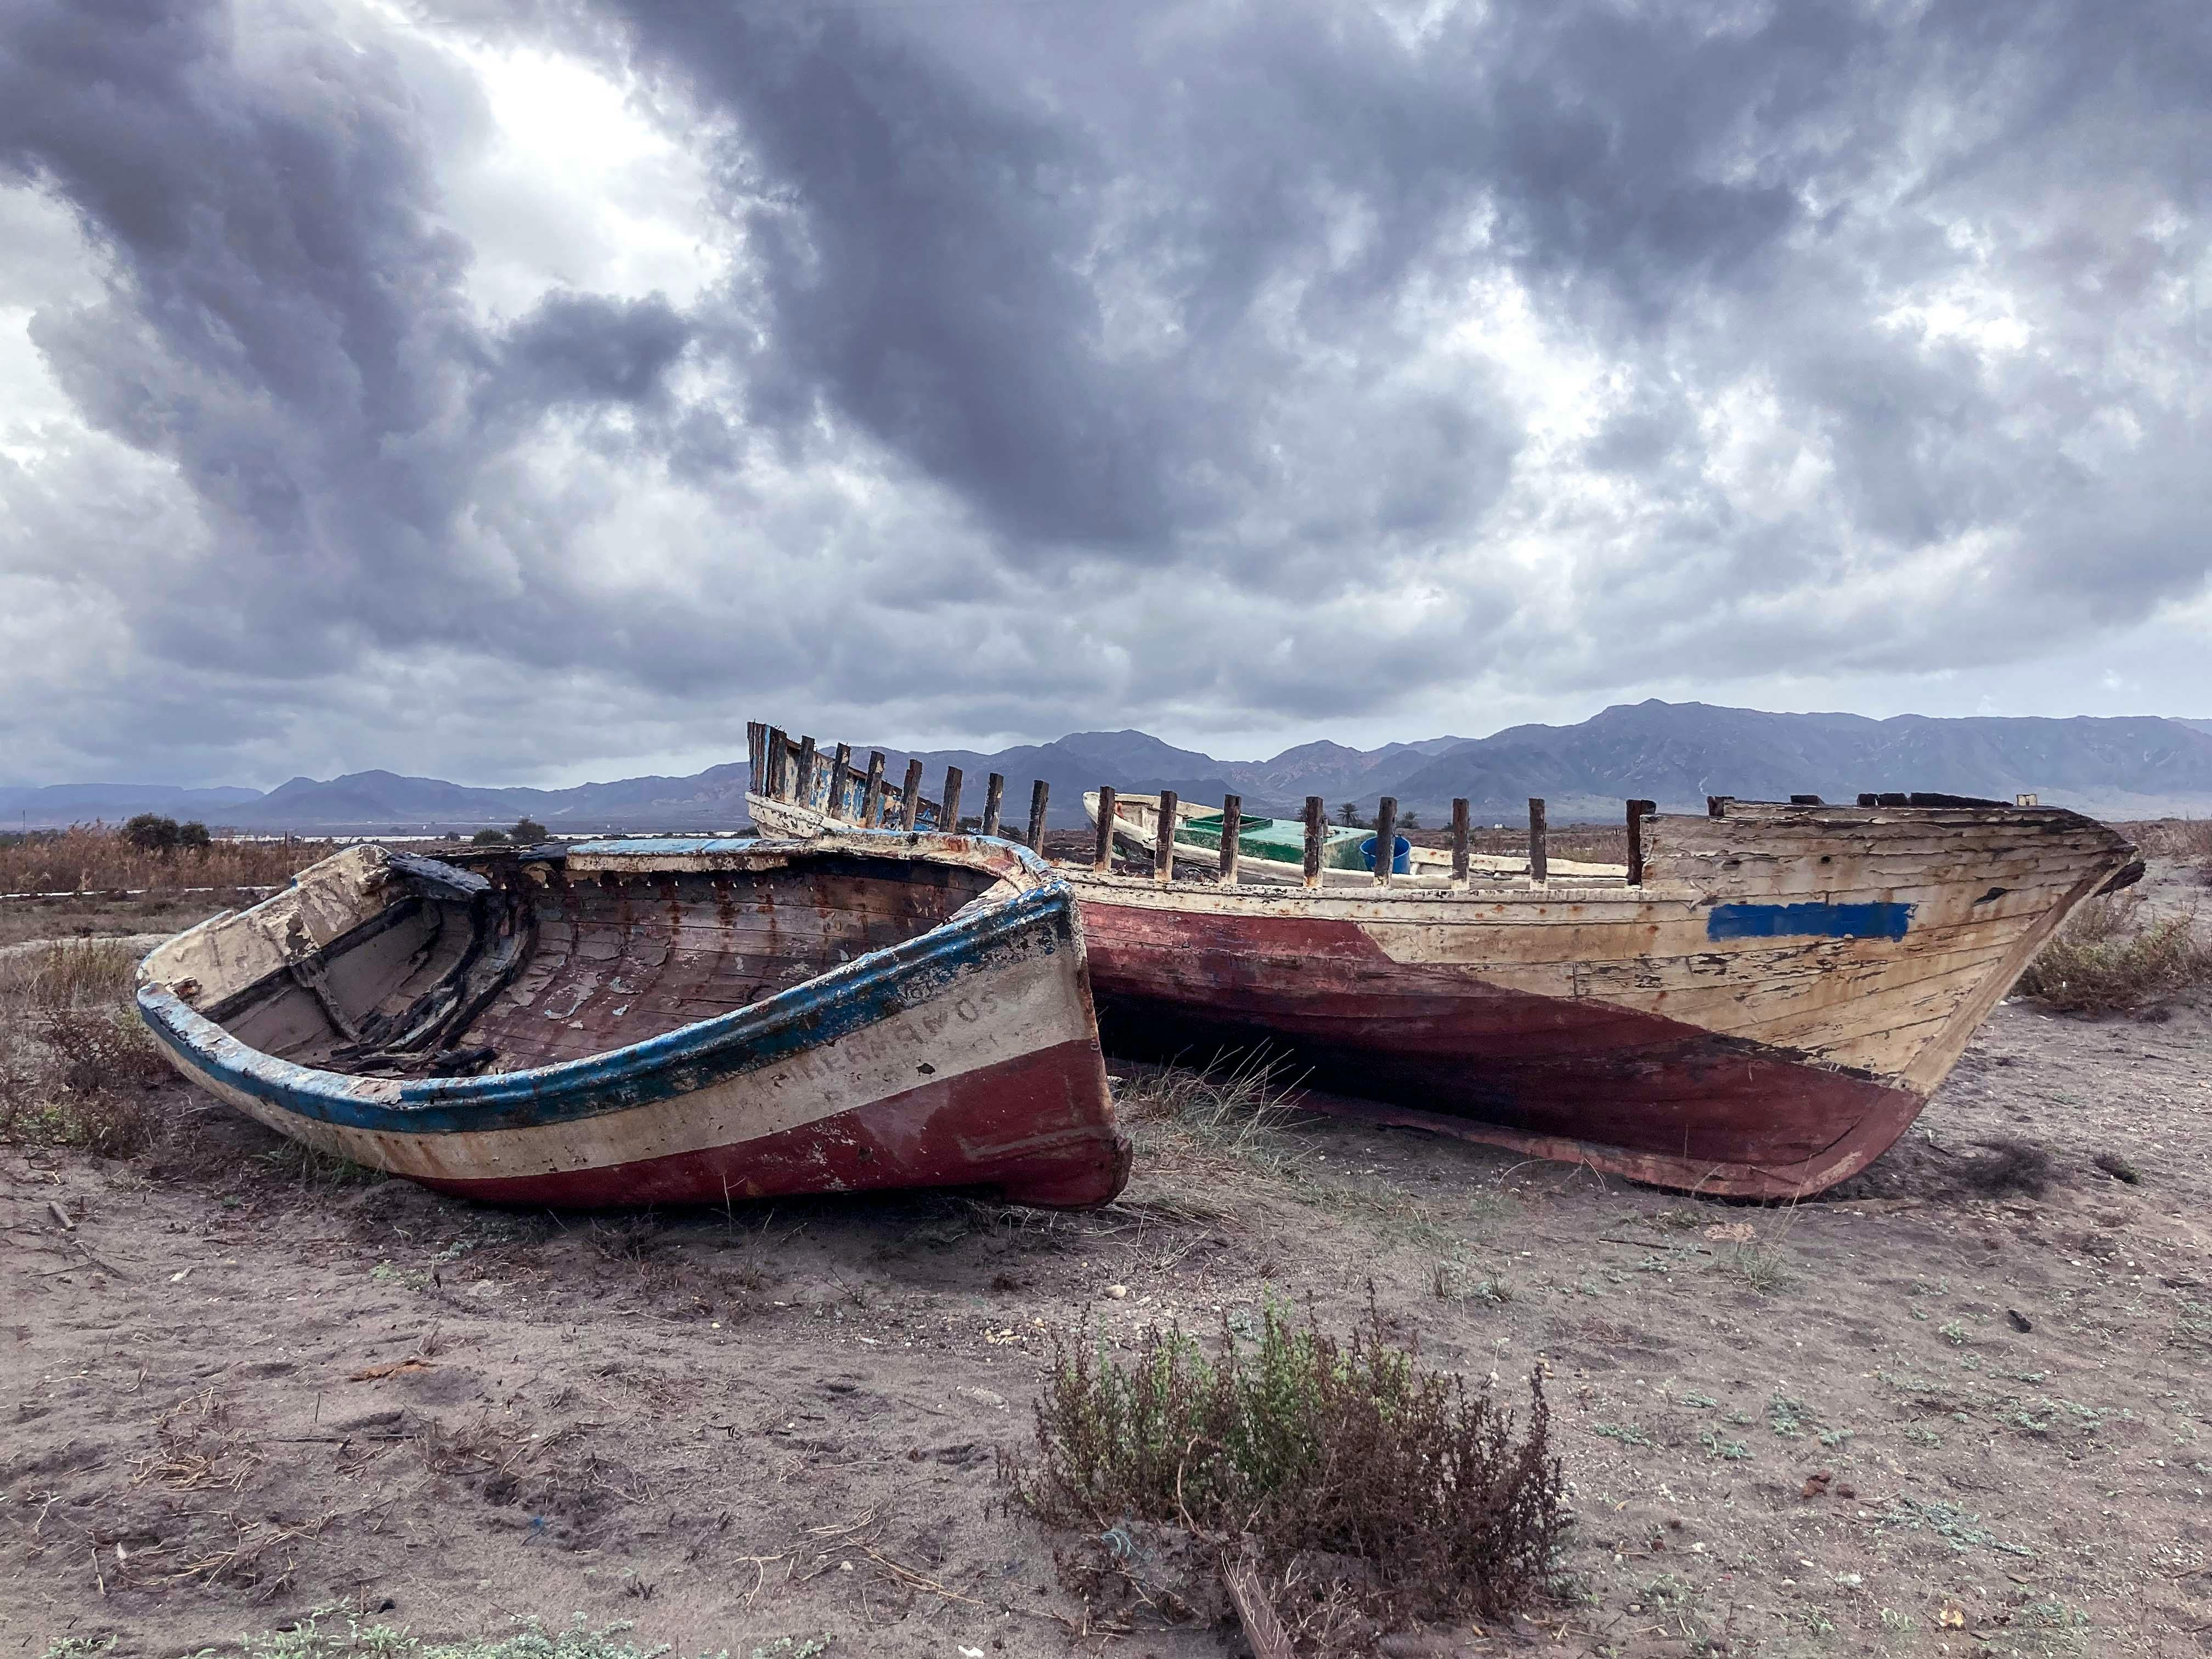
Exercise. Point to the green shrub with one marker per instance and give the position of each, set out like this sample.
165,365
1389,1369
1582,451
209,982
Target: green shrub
1301,1447
2115,956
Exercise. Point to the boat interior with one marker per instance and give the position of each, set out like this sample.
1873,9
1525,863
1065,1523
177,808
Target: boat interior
521,963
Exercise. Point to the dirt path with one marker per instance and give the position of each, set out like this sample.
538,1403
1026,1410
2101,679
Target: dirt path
234,1393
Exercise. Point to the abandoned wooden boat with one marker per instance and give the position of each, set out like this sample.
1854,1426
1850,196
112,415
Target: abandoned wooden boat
634,1022
1758,1004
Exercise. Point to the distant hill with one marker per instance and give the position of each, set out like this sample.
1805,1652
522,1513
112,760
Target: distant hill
75,803
1676,754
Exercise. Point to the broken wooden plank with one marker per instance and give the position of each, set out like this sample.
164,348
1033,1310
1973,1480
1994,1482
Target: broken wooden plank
1386,839
803,789
777,768
1102,852
1638,811
872,798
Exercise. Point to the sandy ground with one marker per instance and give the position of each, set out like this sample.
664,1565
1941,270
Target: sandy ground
1931,1414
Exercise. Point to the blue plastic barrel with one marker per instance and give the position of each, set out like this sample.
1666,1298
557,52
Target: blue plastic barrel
1401,861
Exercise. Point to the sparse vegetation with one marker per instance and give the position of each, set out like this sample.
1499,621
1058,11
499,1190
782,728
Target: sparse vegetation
94,858
320,1636
2187,841
2005,1166
2116,955
1294,1450
1220,1118
75,1066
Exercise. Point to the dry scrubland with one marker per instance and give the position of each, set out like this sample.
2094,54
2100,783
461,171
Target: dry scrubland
89,880
254,1397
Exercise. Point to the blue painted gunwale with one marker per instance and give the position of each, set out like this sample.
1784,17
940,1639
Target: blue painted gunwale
1874,920
1041,919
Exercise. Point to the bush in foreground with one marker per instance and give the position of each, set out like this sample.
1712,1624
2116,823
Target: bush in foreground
2115,955
1333,1476
76,1064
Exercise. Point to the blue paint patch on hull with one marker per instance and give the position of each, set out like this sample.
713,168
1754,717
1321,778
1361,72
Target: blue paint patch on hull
1877,920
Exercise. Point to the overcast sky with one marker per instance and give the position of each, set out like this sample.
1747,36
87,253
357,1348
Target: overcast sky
524,393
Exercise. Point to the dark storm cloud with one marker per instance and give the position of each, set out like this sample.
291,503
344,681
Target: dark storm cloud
1188,361
587,349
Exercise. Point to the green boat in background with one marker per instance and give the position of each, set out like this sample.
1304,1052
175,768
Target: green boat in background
1277,840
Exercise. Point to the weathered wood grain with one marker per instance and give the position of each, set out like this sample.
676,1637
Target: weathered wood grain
1102,854
1039,793
910,796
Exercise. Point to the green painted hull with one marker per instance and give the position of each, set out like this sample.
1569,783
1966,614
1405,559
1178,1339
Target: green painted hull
1282,840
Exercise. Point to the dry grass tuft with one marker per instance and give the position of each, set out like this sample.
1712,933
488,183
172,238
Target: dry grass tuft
76,1067
199,1446
68,973
1325,1474
94,858
1231,1103
2188,840
2006,1167
2116,955
1202,1131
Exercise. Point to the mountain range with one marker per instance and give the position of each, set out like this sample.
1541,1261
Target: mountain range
1676,754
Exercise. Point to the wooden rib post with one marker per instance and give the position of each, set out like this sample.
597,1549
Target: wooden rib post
841,767
1459,844
1164,834
1102,851
1386,839
776,762
1232,826
1039,793
1317,830
803,790
1539,857
910,796
756,752
871,796
948,814
993,794
1637,811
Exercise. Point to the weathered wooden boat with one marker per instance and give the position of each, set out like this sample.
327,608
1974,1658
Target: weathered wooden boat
1758,1004
633,1022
